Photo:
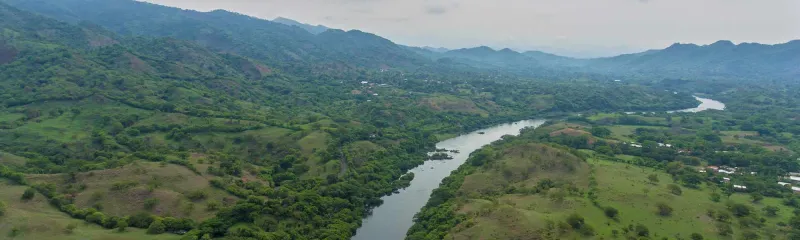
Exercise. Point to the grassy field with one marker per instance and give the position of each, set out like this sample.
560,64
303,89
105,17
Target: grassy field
449,103
36,219
619,185
623,132
169,184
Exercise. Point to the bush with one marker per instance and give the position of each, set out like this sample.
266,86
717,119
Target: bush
587,230
2,208
212,206
197,195
157,227
664,209
715,197
653,178
642,230
696,236
150,203
28,194
611,212
575,220
122,224
724,229
740,210
96,217
70,228
749,235
141,220
675,189
771,211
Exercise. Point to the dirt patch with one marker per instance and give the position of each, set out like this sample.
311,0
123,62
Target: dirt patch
569,132
138,64
355,92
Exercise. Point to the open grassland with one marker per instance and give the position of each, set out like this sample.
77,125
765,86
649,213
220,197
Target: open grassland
495,212
449,103
125,191
35,219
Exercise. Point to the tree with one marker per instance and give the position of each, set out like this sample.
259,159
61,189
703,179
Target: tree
675,189
696,236
28,194
601,132
664,209
740,210
611,212
575,220
750,235
653,178
70,228
122,224
157,227
715,197
642,230
150,203
756,197
771,211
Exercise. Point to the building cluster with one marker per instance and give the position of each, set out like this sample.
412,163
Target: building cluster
727,171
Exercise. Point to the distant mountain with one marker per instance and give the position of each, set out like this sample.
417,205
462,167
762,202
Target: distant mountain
310,28
435,49
275,43
721,59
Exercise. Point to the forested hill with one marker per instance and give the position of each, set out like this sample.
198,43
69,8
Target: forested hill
275,43
118,126
304,48
721,60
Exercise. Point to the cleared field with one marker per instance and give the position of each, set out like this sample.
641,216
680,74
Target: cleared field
492,214
125,191
36,220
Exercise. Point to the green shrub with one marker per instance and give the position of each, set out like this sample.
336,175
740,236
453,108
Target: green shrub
197,195
157,227
611,212
664,209
150,203
28,194
696,236
675,189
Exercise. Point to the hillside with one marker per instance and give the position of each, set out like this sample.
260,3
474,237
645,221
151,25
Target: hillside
244,126
310,28
275,43
705,175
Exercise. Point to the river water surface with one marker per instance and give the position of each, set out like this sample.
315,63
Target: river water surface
392,220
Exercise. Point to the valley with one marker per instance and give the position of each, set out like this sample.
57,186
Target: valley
125,119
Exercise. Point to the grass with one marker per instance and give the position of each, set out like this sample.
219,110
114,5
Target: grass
170,185
623,132
36,219
621,186
11,160
449,103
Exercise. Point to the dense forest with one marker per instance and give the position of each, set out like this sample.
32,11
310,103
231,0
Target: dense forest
165,123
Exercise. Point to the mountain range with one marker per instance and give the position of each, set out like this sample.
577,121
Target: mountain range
285,42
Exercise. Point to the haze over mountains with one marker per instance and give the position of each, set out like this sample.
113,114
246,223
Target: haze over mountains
278,42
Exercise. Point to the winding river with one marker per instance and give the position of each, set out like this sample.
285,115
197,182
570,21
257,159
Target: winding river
392,220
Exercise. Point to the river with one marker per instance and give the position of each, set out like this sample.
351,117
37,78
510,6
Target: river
705,104
392,220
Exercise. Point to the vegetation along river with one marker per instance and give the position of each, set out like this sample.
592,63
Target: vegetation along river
392,220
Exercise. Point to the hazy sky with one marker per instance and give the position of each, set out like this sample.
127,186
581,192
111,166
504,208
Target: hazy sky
585,27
